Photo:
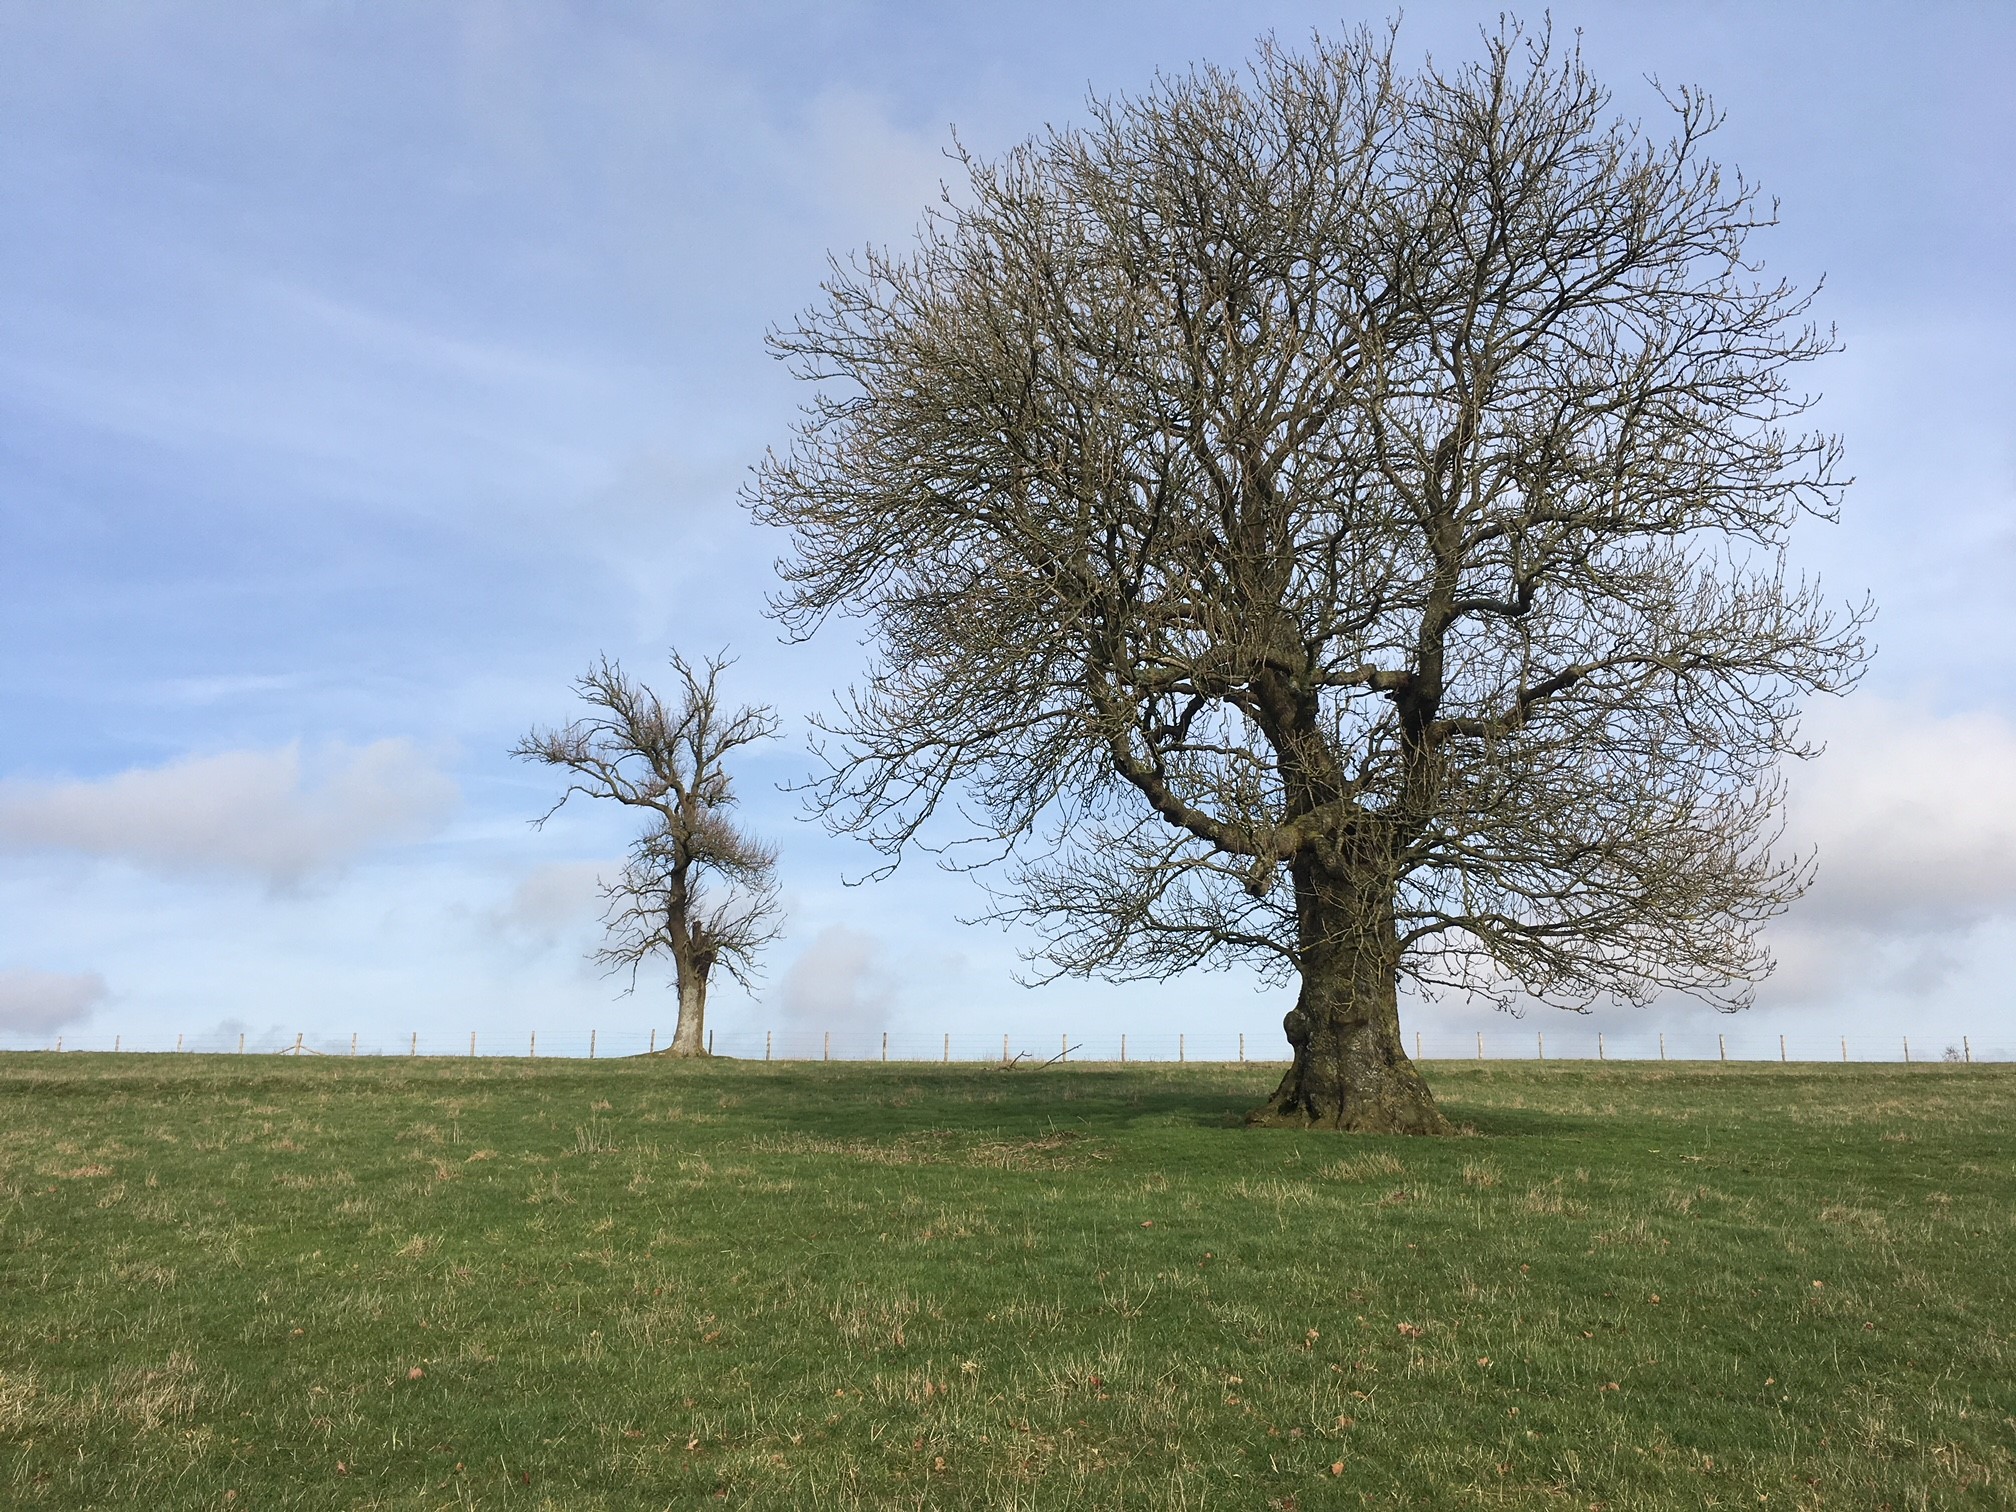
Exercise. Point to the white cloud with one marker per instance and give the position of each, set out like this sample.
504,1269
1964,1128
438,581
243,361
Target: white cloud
34,1002
271,814
838,982
1914,818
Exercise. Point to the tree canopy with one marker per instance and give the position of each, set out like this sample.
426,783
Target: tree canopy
1334,519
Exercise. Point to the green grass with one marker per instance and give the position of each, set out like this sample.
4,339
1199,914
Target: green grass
255,1283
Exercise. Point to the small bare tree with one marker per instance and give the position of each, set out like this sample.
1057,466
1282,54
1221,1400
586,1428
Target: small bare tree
1336,520
671,763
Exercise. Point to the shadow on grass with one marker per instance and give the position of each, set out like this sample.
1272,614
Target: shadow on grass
853,1099
893,1100
1525,1123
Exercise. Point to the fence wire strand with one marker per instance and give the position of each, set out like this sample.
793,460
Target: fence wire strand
799,1044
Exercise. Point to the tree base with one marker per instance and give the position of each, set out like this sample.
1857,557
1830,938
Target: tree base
1377,1119
676,1052
1375,1091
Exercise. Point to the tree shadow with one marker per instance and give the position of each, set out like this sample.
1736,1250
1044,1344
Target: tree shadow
1527,1123
878,1101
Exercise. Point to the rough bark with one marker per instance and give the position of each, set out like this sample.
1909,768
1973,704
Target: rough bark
689,1039
1350,1071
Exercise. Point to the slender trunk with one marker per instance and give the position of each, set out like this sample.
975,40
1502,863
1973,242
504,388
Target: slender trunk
1350,1070
689,1039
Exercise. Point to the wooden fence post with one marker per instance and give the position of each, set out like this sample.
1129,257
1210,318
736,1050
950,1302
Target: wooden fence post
1004,1049
1662,1044
654,1041
532,1050
766,1044
1966,1049
1480,1044
178,1044
1123,1049
1181,1054
710,1039
1540,1043
1844,1048
414,1048
885,1044
591,1044
1599,1046
241,1044
353,1044
827,1054
1722,1047
1781,1049
1907,1049
947,1057
472,1044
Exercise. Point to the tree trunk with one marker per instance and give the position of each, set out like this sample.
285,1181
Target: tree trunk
1350,1071
689,1039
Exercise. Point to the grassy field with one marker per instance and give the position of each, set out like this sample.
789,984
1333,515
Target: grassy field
251,1283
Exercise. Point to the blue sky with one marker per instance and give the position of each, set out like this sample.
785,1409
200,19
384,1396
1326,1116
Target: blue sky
366,370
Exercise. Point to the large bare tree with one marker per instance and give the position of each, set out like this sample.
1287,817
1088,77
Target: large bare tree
670,762
1332,518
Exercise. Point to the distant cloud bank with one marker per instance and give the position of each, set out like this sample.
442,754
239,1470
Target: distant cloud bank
35,1002
1914,818
275,815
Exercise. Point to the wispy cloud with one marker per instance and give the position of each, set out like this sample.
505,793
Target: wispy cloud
274,814
864,169
554,900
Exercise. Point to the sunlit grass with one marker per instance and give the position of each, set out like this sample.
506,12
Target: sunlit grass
486,1284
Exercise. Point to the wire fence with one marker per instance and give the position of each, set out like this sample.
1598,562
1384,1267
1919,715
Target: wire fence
966,1046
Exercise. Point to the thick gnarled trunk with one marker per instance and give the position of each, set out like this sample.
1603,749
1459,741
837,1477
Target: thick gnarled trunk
1350,1071
689,1039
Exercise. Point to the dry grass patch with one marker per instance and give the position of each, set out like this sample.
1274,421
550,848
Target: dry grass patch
166,1395
1369,1167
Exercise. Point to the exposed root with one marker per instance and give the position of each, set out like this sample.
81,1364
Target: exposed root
1378,1116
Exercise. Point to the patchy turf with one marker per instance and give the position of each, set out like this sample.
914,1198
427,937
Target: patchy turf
255,1283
